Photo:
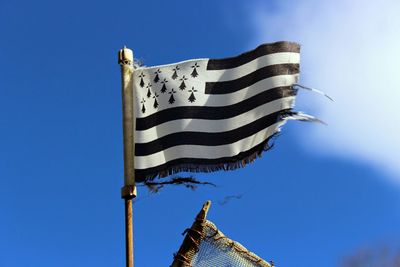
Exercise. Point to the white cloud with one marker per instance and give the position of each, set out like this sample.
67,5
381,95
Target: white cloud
350,50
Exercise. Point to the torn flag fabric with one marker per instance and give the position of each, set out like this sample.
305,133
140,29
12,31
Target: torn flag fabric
204,115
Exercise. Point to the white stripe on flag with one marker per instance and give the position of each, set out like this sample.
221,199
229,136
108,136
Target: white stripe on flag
264,61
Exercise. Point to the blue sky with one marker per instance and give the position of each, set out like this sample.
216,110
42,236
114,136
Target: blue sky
320,194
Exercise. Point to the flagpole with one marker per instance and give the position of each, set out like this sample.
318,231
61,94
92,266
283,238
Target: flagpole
128,192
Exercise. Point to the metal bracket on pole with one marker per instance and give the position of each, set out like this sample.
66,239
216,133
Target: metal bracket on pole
128,192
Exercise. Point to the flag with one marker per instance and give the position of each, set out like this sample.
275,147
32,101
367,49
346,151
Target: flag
204,115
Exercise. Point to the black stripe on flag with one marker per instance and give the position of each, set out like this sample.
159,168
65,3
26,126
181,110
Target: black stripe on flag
226,87
213,113
203,164
206,139
262,50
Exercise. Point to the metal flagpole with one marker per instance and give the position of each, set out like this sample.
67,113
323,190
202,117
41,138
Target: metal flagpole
128,192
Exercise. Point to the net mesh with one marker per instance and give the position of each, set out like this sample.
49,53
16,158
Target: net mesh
205,246
217,250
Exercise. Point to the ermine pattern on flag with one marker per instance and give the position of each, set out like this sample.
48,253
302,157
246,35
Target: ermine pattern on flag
209,114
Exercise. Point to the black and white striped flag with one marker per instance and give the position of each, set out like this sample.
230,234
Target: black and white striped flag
204,115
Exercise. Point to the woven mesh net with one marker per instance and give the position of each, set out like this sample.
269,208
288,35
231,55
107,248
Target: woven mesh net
217,250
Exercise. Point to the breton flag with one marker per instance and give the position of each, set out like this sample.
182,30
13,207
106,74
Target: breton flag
204,115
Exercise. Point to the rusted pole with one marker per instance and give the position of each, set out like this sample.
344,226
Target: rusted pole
128,192
190,245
